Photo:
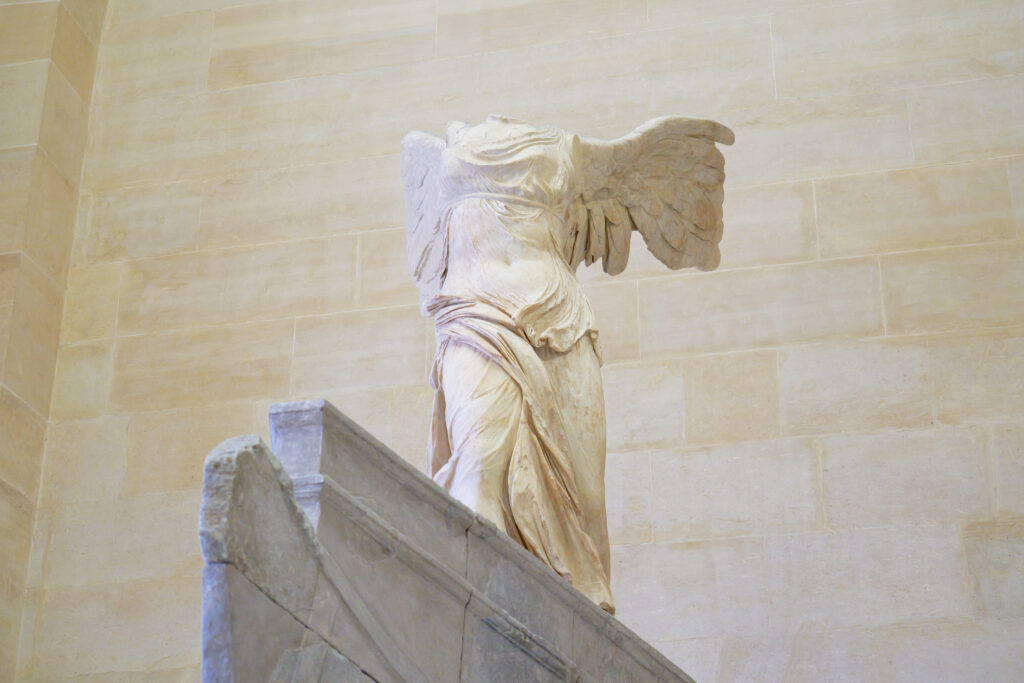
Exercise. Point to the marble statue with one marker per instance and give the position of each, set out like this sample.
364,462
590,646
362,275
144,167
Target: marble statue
500,215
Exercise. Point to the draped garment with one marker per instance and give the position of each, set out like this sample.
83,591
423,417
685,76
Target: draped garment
510,297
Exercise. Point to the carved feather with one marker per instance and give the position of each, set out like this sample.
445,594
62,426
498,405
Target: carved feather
666,179
427,245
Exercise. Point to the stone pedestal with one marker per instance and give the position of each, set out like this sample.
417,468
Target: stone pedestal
337,561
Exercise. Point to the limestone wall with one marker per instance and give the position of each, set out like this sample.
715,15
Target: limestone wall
47,62
816,450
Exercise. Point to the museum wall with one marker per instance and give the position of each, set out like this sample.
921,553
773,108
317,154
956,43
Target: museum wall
815,468
47,60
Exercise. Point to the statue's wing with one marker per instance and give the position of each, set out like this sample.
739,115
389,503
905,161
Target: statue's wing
663,179
426,242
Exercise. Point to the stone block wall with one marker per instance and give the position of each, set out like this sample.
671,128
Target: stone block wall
815,450
47,62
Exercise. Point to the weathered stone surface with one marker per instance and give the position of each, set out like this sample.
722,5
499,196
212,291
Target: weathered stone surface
316,662
411,606
500,649
496,569
995,560
250,520
312,438
363,595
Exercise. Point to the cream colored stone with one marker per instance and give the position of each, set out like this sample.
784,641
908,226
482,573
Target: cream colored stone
738,490
74,54
759,307
811,137
9,270
1008,469
957,288
82,382
21,109
383,270
50,219
64,125
138,222
85,460
749,658
411,412
615,310
274,124
6,313
698,657
161,57
90,311
84,206
206,365
166,447
26,31
859,577
731,397
15,536
995,560
662,13
89,14
729,68
769,224
15,539
21,448
905,478
854,387
645,405
484,29
150,9
308,201
362,349
271,42
628,488
10,623
15,181
913,209
842,48
968,121
362,113
978,378
84,630
32,346
259,25
238,285
937,650
140,537
1015,169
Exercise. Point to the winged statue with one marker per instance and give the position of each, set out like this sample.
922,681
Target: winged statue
499,217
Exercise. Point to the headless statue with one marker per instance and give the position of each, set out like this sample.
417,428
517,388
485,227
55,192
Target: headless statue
500,215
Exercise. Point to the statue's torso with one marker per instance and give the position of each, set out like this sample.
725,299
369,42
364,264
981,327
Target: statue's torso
505,190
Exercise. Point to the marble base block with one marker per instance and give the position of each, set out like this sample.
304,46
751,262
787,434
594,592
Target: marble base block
336,561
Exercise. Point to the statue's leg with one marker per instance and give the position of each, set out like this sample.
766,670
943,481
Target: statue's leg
576,375
482,410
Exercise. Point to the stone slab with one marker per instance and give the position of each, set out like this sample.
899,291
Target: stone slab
314,438
365,589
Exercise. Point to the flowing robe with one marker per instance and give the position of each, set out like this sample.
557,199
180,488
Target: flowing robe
518,426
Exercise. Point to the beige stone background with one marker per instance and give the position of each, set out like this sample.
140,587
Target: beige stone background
817,451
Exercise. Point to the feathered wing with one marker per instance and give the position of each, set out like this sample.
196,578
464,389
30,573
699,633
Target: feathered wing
663,179
426,241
